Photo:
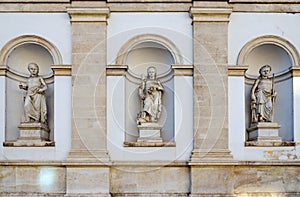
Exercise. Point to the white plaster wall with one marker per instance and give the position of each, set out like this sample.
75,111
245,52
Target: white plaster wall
174,26
2,113
244,27
296,99
236,114
184,116
237,129
54,27
62,115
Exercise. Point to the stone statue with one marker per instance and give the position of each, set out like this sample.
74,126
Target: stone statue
150,92
263,97
35,109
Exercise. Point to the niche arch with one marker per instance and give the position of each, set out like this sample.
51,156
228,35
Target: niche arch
139,53
150,38
16,55
281,55
272,40
29,39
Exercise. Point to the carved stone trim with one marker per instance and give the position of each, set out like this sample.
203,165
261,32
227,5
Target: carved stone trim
183,69
12,74
200,14
88,14
29,39
116,70
3,70
62,69
237,70
169,45
268,39
295,70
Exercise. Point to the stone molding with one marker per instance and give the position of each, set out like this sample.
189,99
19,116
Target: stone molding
237,71
129,45
200,14
13,74
29,39
88,14
116,70
62,69
268,39
183,69
3,70
295,70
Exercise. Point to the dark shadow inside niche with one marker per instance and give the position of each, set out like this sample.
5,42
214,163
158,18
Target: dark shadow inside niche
280,61
138,60
17,62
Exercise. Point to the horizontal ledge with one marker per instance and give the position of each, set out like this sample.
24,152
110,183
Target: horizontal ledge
29,144
149,144
268,144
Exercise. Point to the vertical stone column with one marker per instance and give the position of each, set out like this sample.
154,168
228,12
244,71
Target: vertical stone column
89,25
210,22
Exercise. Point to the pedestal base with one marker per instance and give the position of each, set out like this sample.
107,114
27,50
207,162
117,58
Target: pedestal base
33,132
264,132
149,132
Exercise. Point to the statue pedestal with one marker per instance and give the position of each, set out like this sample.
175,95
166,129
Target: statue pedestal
149,132
264,132
33,132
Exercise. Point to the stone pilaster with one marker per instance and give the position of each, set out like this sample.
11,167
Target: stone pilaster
89,25
210,23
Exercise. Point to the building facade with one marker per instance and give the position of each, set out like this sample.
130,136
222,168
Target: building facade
94,55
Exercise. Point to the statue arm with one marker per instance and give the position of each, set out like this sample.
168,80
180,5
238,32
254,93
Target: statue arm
23,86
141,90
253,98
44,85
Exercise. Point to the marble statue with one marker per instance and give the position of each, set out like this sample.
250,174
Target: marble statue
35,109
150,92
263,96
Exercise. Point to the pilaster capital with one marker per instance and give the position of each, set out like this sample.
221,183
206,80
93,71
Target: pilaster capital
62,69
86,14
183,70
210,14
295,70
237,71
3,70
116,70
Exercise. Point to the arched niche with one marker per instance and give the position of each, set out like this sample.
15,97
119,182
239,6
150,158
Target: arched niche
16,55
281,56
139,53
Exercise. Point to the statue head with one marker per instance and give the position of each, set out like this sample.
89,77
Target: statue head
151,72
265,70
33,68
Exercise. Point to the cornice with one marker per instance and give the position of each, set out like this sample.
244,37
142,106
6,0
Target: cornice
87,14
62,69
237,70
116,70
210,14
183,70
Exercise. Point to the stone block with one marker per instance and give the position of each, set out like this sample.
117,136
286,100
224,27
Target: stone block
87,180
264,132
149,132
